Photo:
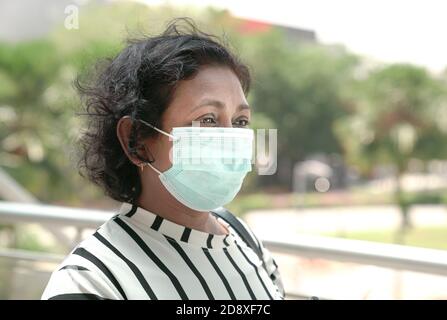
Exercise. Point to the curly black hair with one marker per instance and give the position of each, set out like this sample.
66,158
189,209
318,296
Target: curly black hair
139,82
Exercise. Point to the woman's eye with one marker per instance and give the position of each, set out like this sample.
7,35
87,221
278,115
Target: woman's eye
208,120
241,123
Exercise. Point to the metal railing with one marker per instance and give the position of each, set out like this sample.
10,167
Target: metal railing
17,212
392,256
26,255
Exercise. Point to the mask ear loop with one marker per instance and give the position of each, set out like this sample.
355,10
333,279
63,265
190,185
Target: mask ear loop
160,131
147,163
150,165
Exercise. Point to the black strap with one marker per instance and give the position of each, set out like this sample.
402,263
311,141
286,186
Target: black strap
240,229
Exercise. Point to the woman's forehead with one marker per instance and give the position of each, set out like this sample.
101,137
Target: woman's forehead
212,83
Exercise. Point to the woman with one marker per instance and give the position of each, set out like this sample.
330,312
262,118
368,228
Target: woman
181,90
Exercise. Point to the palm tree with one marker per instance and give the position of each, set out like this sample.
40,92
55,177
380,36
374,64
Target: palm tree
395,120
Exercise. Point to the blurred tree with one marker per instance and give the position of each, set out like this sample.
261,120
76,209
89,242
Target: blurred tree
28,133
299,87
37,116
399,115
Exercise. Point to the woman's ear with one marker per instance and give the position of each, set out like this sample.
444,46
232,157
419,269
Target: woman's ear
123,130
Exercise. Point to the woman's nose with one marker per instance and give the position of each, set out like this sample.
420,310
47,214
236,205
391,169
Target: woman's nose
225,123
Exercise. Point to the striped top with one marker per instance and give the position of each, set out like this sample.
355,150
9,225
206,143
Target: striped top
139,255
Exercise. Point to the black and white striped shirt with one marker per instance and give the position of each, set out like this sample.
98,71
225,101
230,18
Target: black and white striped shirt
139,255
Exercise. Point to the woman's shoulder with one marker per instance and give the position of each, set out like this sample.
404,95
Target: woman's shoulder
81,275
270,263
85,273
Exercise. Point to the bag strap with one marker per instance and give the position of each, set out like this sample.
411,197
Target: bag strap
240,229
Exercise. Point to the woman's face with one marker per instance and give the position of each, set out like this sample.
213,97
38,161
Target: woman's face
213,98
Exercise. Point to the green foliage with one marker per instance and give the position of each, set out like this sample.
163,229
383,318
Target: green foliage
299,87
396,118
427,197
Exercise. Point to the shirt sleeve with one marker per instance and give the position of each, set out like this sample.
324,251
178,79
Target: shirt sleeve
269,261
74,282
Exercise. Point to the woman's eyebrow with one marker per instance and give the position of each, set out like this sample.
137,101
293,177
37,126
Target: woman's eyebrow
218,104
243,106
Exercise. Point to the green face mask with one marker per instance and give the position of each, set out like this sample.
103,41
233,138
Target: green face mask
209,165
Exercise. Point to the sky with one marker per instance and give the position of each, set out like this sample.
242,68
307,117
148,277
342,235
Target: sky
413,31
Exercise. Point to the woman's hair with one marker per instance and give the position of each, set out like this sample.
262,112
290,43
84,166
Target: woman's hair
139,82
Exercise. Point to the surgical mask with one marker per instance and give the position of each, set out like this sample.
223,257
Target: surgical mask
209,164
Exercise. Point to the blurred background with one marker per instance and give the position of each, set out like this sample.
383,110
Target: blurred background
356,90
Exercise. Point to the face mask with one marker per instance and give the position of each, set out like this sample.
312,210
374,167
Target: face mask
209,165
